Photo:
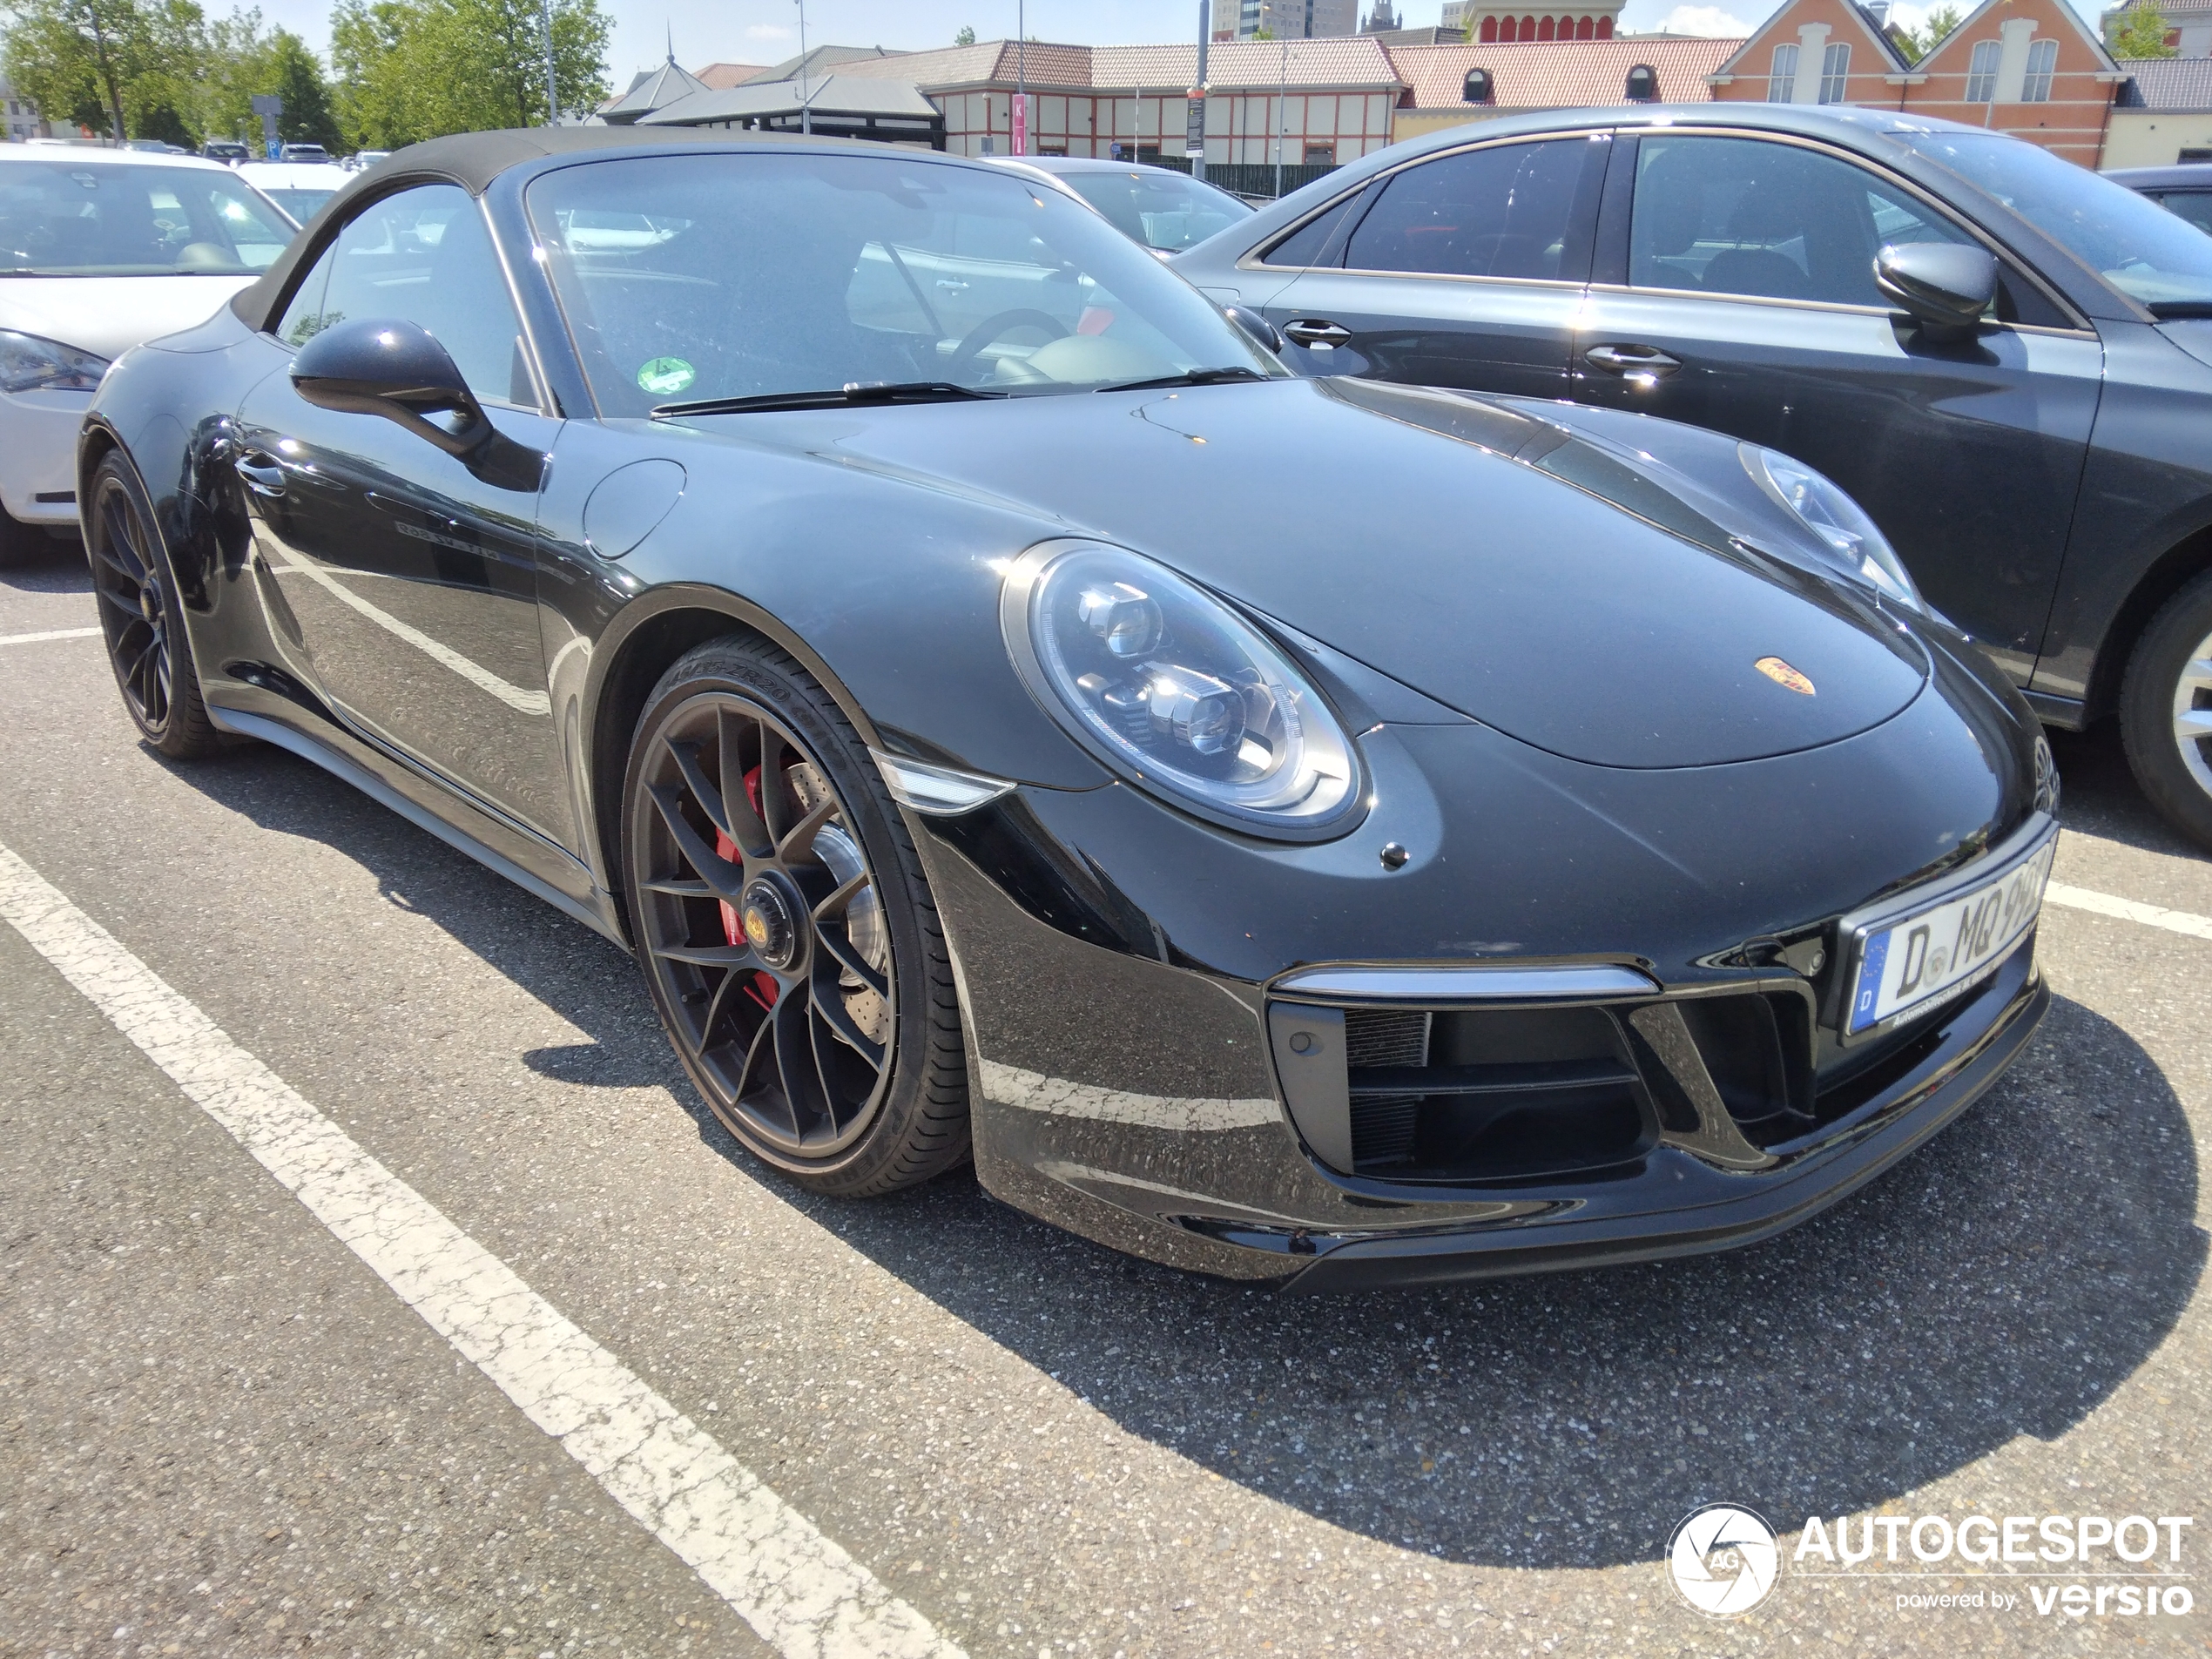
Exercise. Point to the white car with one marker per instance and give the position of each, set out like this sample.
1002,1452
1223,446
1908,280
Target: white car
299,187
99,251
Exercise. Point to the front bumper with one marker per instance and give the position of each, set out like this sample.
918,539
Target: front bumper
38,455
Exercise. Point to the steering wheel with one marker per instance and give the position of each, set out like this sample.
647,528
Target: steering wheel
991,327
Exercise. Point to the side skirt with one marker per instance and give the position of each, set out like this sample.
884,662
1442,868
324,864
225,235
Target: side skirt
284,737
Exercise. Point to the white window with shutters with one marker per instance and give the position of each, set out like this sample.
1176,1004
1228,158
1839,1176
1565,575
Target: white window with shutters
1783,75
1835,73
1981,72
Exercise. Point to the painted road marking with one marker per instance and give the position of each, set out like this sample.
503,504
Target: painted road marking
796,1586
2151,915
51,633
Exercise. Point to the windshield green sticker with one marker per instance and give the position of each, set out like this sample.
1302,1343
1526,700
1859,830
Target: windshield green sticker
665,376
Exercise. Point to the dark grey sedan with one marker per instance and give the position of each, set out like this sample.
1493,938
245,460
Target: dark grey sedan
2007,359
2185,190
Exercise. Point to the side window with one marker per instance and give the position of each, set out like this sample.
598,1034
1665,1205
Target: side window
421,256
1772,221
1499,211
1318,241
2195,206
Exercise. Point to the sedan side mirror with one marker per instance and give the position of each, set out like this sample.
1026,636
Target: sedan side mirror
1255,324
394,370
1946,286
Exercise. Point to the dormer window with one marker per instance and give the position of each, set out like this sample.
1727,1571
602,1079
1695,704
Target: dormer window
1643,84
1479,88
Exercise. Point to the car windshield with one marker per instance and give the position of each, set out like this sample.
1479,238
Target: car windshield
302,204
60,219
2141,249
698,277
1162,210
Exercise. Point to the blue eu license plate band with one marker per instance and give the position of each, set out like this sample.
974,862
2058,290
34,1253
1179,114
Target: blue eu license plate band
1944,942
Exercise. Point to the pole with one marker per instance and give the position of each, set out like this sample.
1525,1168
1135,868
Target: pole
1199,86
1021,124
552,98
806,115
1282,85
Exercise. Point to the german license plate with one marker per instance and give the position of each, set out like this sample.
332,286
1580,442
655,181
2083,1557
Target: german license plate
1927,956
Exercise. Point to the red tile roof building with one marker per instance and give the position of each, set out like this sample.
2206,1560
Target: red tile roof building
1557,74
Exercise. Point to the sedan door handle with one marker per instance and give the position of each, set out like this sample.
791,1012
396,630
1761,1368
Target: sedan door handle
1313,331
263,477
1632,359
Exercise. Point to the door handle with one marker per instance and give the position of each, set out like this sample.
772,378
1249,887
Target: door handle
1313,331
1632,361
263,477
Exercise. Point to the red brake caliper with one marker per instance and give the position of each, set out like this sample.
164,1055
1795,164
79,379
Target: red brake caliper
763,989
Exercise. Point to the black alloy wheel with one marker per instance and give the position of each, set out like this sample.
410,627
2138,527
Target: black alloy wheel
786,929
142,618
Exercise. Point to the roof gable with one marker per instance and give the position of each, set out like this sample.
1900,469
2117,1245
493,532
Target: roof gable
2044,11
1782,29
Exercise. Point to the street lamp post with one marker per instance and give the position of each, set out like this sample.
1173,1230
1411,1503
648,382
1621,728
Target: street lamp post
1194,137
806,115
1282,85
552,98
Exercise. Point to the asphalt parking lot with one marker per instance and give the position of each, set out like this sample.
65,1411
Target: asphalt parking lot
223,1431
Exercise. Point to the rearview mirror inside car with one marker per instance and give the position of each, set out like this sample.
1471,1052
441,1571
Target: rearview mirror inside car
394,370
1944,287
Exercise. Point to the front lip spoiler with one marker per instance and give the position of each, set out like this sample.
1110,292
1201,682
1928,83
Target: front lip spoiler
1770,1203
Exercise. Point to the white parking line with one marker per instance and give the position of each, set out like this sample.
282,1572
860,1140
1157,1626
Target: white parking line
2151,915
803,1593
51,633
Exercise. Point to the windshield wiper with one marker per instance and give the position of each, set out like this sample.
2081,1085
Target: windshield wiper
1192,377
2174,310
860,392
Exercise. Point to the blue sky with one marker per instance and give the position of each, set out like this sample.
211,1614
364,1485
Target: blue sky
764,31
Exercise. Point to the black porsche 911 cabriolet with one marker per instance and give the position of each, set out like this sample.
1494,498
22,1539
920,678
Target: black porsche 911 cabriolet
1302,830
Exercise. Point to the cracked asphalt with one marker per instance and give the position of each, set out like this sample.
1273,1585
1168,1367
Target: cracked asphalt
220,1432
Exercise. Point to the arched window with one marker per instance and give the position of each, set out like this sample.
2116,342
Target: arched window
1544,29
1489,30
1605,28
1643,84
1528,29
1479,88
1583,27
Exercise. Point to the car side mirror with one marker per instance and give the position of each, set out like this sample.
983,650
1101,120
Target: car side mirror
1944,287
1255,324
394,370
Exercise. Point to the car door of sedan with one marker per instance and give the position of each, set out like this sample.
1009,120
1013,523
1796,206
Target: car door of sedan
1733,289
1465,269
408,575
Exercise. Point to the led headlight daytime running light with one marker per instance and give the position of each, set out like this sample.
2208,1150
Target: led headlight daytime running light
30,364
1859,546
1172,689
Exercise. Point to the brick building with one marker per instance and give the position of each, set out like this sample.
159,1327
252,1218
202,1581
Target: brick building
2028,67
1452,85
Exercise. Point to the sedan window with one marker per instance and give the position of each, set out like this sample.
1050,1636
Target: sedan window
2145,251
721,276
1164,211
1499,211
2195,206
59,219
1775,221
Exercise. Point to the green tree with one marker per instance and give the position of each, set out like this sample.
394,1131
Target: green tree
2142,32
293,74
966,37
410,70
77,57
1931,33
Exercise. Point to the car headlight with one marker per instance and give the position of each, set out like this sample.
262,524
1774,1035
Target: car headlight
1172,689
1861,547
30,364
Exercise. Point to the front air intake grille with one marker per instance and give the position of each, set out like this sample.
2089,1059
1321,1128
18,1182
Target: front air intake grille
1491,1094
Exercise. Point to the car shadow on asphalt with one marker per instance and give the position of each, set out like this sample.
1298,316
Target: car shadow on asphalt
2003,1281
2099,796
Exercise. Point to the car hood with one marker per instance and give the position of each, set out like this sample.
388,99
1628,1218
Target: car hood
108,315
1539,594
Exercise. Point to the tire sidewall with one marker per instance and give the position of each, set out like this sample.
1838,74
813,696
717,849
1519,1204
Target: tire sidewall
2146,710
116,472
734,666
